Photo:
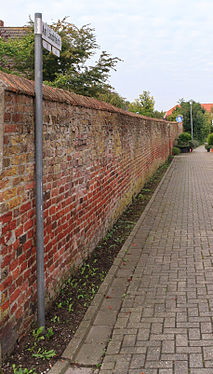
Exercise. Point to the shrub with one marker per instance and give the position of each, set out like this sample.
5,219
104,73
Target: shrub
194,143
184,142
175,151
210,139
208,147
185,137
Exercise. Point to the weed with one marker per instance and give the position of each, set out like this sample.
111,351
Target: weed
55,319
146,190
70,307
37,338
20,370
49,333
141,196
37,334
102,275
44,355
119,240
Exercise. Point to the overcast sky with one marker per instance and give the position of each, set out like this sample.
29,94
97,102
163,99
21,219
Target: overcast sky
166,45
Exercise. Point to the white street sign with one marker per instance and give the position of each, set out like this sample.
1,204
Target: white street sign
47,46
51,36
56,52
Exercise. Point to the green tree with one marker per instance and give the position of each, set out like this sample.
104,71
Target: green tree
72,70
144,105
17,55
207,128
200,122
113,98
158,114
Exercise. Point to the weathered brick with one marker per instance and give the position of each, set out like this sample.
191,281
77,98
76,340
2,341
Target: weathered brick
15,295
6,217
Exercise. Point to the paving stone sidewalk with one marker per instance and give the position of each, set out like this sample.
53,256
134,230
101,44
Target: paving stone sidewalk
156,312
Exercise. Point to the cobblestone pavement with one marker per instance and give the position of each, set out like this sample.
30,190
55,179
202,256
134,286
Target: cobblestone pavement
163,324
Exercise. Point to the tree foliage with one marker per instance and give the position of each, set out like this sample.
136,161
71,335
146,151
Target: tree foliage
112,97
17,55
72,70
201,123
145,106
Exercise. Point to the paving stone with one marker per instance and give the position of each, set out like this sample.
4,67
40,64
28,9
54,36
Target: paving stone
194,334
145,371
208,353
153,353
168,346
98,335
129,341
105,317
137,361
181,340
181,367
201,371
74,370
195,360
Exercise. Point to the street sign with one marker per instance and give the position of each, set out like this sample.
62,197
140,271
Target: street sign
51,37
46,45
56,52
179,119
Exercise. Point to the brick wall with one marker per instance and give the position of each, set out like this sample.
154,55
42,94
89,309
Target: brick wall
96,157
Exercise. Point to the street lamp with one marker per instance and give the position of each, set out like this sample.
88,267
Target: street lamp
191,119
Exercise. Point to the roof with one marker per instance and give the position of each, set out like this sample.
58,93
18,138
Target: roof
207,107
13,32
169,112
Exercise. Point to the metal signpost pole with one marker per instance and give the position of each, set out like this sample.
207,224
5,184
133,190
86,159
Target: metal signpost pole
39,169
191,119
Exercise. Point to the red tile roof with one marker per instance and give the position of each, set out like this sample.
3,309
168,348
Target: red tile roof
207,107
169,112
13,32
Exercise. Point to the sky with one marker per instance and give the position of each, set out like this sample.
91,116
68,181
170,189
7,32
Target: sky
166,46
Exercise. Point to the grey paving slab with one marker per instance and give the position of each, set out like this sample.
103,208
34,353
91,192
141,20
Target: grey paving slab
79,371
160,322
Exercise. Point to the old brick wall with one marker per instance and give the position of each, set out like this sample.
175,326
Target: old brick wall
96,157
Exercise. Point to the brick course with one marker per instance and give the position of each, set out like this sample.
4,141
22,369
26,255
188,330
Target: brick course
95,158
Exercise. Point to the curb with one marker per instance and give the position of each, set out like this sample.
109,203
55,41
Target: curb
78,339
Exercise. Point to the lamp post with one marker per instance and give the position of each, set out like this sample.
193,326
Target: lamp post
191,119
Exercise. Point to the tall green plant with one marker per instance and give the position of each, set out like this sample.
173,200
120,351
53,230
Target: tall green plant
72,70
210,139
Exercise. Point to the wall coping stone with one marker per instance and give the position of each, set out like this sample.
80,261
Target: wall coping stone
20,85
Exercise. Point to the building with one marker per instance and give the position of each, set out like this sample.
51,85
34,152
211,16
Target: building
12,32
207,107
